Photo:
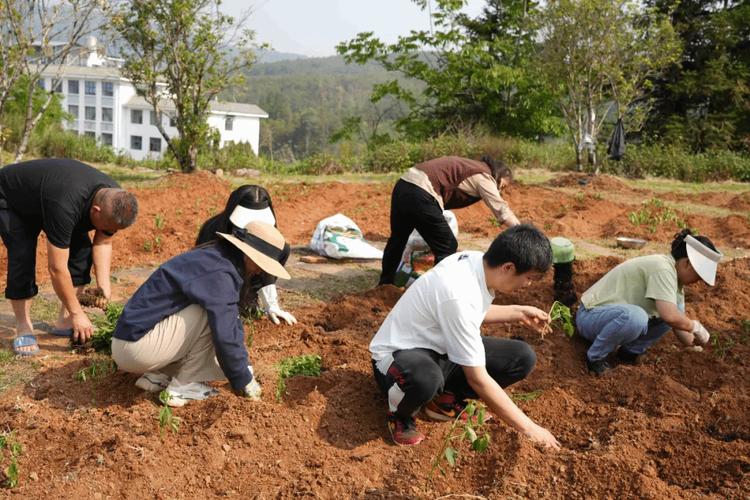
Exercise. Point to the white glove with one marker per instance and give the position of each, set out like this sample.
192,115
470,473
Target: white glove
269,302
253,390
700,333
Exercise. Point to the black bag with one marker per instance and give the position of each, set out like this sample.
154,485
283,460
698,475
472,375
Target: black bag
616,149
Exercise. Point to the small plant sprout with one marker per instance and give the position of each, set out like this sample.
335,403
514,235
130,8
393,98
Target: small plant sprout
722,345
559,312
526,396
167,420
159,221
470,426
105,325
306,364
13,449
99,368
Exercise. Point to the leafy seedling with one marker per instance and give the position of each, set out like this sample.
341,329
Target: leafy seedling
105,325
99,368
526,396
471,429
167,420
159,221
13,448
561,314
722,345
306,364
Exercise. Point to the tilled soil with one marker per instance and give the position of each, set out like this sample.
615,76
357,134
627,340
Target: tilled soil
677,426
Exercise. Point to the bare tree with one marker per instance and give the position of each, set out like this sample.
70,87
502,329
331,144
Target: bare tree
45,32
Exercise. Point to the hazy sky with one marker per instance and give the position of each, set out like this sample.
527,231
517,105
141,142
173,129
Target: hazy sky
314,27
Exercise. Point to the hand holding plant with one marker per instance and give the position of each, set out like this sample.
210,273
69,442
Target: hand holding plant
561,313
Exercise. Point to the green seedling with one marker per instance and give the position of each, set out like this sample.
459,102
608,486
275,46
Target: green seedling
654,213
744,331
159,221
98,369
493,221
306,364
722,345
14,449
105,325
167,420
561,314
526,396
471,430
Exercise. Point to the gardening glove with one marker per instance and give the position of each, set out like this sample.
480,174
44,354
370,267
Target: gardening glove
269,302
252,390
700,333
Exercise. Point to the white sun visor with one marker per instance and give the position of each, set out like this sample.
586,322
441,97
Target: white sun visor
242,216
703,259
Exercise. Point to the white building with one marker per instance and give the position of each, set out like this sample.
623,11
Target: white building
104,105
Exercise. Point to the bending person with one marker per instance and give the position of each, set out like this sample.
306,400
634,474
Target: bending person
632,306
425,190
246,204
429,351
66,199
182,327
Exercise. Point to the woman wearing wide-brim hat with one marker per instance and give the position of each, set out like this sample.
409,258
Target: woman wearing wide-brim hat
182,327
632,306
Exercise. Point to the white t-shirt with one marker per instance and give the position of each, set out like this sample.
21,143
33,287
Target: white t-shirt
442,311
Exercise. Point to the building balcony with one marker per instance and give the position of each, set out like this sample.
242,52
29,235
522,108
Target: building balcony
89,125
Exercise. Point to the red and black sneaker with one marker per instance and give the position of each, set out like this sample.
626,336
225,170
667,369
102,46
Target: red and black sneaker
404,430
445,407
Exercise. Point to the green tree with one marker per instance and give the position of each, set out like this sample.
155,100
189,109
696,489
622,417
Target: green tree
474,72
703,102
599,58
182,54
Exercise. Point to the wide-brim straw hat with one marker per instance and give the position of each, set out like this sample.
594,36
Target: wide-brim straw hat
263,243
703,259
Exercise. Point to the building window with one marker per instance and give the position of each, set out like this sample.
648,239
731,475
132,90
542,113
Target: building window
136,116
73,111
40,83
90,88
172,121
154,145
107,115
58,86
136,142
73,87
228,122
90,113
108,89
88,133
107,139
154,119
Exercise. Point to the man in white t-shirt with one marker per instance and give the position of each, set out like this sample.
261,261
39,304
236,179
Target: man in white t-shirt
429,351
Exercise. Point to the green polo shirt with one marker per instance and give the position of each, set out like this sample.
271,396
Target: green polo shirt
640,281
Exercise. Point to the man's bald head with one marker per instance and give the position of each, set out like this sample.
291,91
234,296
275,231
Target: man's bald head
118,206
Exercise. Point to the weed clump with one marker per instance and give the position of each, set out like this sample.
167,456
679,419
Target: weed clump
306,364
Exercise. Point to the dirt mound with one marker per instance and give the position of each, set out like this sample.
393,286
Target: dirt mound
674,427
602,182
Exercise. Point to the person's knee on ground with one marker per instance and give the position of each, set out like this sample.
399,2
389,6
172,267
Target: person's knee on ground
632,322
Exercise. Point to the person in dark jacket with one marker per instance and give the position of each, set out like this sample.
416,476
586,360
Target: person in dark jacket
425,190
182,327
66,199
251,203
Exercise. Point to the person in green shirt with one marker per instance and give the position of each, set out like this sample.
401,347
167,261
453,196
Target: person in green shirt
632,306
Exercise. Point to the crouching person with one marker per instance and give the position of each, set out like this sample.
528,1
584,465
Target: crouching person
429,351
182,327
636,303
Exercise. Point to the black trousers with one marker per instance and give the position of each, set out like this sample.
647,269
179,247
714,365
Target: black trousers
420,374
414,208
20,238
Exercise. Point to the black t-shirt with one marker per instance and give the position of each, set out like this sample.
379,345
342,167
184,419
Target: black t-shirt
55,193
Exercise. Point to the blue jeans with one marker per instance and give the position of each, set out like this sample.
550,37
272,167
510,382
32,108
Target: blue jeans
625,325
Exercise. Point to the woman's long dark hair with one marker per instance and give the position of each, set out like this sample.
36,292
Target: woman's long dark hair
498,168
679,247
250,194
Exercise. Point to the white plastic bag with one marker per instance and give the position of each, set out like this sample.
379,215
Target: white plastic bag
338,237
417,243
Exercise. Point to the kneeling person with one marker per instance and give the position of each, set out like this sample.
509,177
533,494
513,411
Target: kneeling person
185,317
429,350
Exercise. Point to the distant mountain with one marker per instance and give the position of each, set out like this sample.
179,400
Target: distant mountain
328,66
272,56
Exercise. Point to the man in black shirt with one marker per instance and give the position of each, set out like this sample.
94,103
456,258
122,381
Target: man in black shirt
66,199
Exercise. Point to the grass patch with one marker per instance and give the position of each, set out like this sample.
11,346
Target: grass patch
10,450
305,364
6,356
45,310
98,368
526,396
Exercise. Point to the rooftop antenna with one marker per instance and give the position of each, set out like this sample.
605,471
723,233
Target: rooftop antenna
429,11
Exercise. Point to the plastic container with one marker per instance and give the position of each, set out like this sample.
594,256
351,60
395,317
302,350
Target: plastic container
563,250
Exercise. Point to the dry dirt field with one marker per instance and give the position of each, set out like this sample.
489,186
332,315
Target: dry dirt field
678,426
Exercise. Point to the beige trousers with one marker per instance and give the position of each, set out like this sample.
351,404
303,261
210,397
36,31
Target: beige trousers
180,346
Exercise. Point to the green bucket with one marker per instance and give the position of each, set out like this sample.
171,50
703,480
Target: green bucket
563,250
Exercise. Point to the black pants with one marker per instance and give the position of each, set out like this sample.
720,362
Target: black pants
20,238
414,208
420,374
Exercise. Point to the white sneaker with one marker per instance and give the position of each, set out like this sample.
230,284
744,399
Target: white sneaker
182,394
152,382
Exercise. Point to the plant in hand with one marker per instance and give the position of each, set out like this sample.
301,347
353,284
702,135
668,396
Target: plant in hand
471,430
105,325
560,313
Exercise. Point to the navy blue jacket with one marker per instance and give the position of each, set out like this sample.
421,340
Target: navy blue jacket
209,276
